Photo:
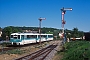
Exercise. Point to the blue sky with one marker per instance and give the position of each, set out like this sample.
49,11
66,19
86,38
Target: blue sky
27,12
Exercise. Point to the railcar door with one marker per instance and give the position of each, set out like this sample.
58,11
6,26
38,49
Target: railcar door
22,38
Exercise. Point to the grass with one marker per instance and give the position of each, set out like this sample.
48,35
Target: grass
5,44
77,50
15,51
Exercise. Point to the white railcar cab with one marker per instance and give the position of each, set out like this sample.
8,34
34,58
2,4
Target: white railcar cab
27,38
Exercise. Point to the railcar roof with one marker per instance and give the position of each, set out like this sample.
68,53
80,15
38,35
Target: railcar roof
29,34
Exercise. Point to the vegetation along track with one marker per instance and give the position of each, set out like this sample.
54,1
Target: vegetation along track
39,55
11,47
6,49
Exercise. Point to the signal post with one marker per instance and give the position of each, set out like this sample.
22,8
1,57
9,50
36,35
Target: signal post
63,11
40,20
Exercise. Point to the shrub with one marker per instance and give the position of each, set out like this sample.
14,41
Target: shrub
15,51
4,44
77,50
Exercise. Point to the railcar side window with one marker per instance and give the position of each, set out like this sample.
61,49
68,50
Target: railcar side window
34,36
50,35
42,36
31,36
28,36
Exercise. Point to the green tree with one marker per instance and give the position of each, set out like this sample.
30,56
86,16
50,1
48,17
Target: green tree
56,33
75,33
8,30
49,32
68,33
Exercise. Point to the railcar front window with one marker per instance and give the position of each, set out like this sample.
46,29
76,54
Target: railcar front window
18,36
15,37
11,36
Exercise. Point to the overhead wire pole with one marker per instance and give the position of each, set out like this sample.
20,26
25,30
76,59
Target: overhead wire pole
63,11
40,20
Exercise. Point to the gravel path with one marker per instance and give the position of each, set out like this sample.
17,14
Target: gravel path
53,52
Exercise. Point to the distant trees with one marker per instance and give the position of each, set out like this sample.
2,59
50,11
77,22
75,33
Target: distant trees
11,29
8,30
70,33
48,30
74,33
77,33
56,33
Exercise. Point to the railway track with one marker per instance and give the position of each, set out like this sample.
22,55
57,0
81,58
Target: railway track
39,55
11,47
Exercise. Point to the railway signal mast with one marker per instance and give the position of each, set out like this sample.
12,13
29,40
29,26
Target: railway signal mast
40,20
63,11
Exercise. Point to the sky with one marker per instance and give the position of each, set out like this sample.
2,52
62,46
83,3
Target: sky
27,12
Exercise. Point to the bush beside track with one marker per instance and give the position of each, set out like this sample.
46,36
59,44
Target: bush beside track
77,50
4,44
